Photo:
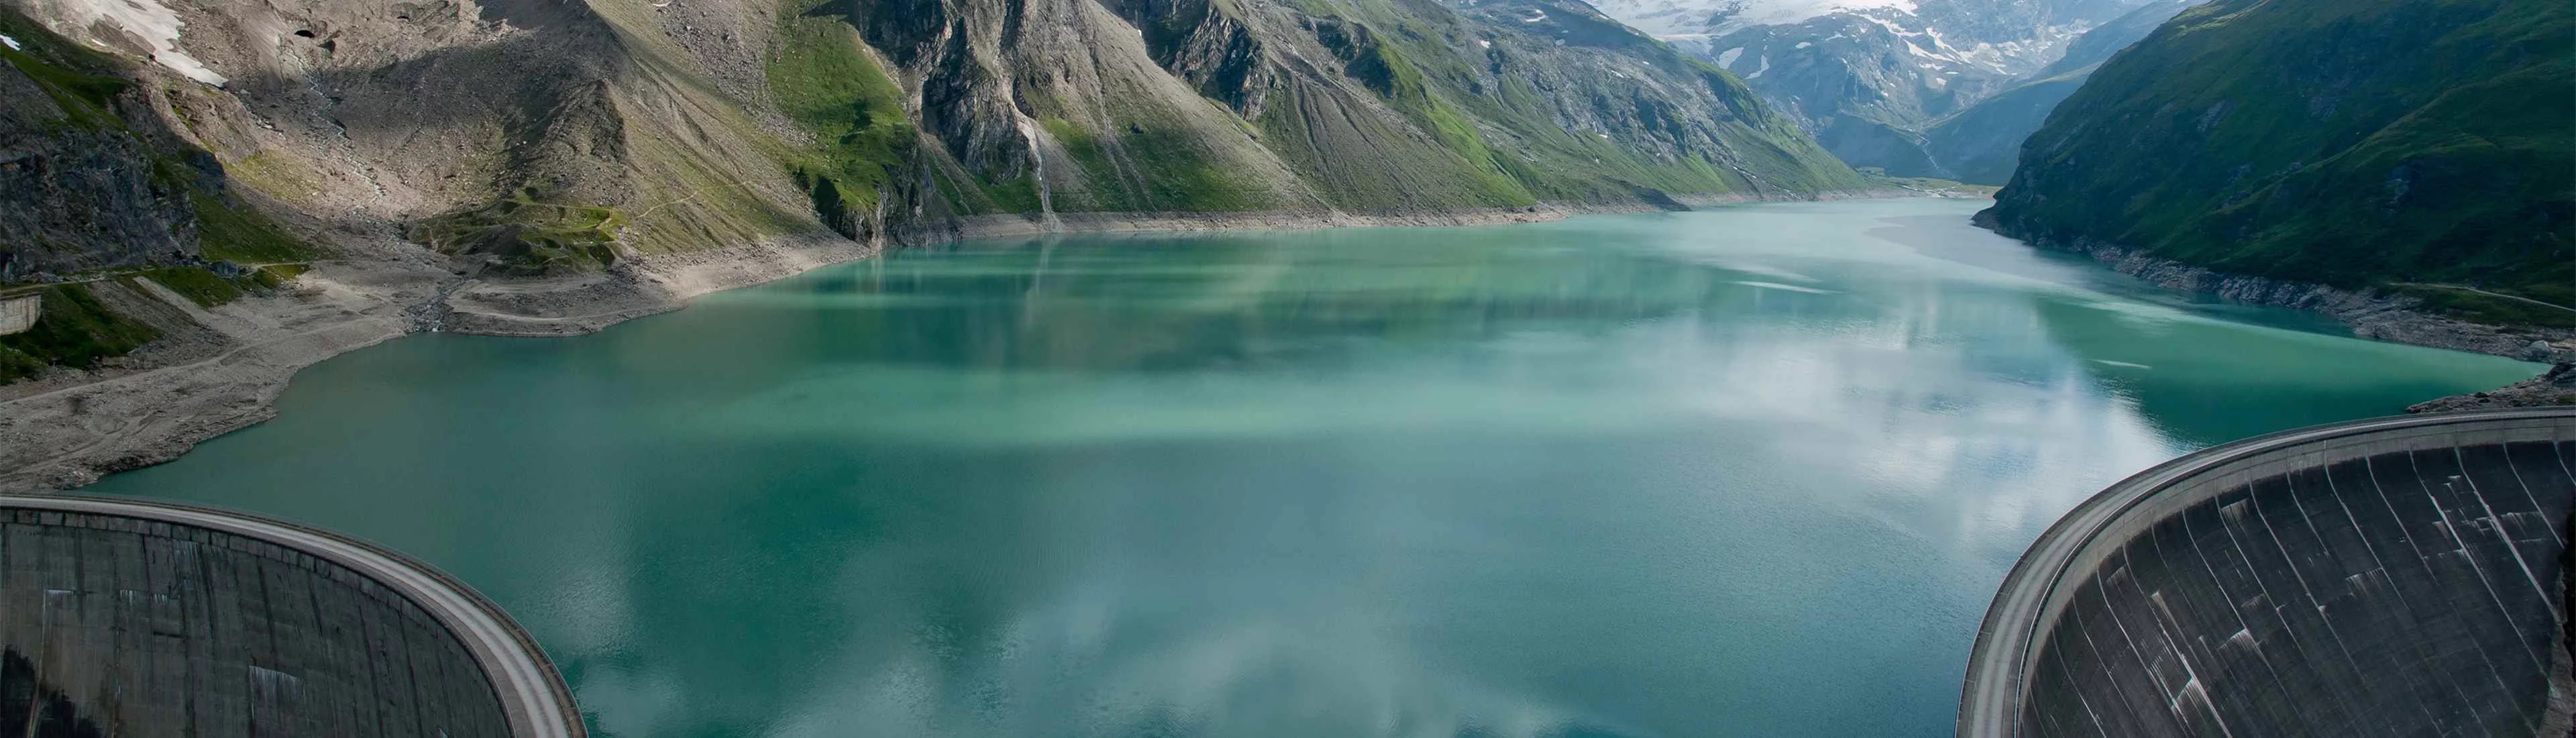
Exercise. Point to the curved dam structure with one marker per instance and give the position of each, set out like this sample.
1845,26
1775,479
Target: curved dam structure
123,617
2393,577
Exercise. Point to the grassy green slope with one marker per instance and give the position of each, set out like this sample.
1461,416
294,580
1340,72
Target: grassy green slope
821,79
72,330
2358,143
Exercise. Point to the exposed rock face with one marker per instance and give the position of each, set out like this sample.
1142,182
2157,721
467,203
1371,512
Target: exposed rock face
1207,47
1388,107
2554,387
79,187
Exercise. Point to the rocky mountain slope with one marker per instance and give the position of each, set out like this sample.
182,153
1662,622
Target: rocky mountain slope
204,196
548,135
1982,143
2393,157
1869,78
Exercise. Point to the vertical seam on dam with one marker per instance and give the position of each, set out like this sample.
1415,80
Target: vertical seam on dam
2502,535
2157,607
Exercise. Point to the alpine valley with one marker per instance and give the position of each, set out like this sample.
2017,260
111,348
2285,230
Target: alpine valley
1902,85
202,198
553,166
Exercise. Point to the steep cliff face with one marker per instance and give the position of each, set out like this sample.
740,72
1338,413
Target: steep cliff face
2407,147
1382,106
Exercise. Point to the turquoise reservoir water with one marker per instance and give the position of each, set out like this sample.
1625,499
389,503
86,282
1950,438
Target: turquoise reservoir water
1746,472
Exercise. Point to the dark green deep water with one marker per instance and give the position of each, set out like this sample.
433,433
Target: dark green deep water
1751,472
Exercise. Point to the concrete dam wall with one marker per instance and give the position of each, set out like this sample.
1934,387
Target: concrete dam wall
130,618
2395,577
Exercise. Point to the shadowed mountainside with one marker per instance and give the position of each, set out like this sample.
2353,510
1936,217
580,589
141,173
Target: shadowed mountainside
2395,147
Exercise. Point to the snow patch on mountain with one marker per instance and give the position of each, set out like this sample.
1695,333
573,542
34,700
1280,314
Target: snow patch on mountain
146,21
1689,18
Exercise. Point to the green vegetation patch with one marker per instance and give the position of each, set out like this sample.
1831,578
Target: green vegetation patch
524,235
238,233
1018,195
823,80
1153,169
276,175
80,81
197,284
274,276
2354,144
1384,68
74,331
2486,308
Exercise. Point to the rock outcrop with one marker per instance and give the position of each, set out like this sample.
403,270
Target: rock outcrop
89,175
2554,387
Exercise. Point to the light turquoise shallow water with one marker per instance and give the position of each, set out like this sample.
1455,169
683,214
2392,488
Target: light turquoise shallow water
1752,471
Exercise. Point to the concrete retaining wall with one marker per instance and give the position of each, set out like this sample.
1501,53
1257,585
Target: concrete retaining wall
17,314
2385,578
123,619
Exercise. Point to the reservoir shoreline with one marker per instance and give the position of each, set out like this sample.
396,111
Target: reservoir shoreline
2374,316
220,369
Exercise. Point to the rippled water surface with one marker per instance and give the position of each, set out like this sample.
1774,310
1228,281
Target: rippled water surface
1752,471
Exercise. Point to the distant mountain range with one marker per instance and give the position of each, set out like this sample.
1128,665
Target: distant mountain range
1874,78
1981,143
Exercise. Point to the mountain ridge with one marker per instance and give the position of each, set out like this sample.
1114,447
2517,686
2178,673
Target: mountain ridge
1871,78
